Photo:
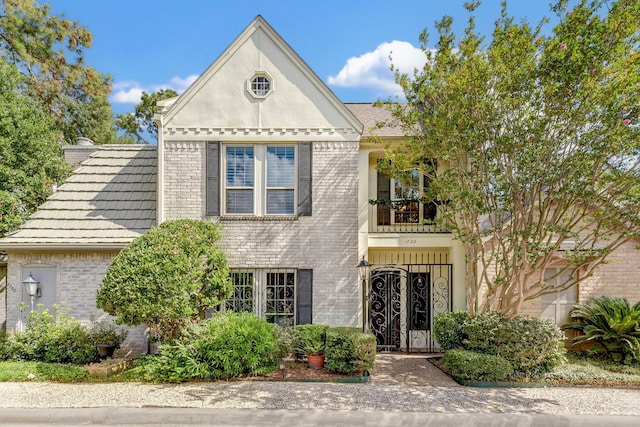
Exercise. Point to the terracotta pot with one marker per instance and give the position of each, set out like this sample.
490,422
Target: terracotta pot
316,362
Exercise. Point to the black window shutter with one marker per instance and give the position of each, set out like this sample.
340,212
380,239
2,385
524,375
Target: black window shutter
384,195
304,179
429,209
304,297
213,179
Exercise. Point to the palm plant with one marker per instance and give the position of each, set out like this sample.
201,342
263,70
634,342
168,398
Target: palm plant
611,325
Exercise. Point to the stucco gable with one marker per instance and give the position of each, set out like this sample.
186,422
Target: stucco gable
219,105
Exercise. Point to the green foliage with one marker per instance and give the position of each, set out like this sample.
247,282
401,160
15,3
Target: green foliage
134,125
55,338
49,52
536,131
167,278
447,329
311,339
106,333
349,351
473,366
532,345
17,371
30,157
612,325
227,345
285,341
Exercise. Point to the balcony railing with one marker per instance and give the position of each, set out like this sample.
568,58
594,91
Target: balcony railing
408,217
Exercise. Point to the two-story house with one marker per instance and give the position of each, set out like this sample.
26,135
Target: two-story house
261,145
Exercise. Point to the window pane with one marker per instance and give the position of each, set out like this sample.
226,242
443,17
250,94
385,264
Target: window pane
281,167
280,301
239,166
240,201
242,298
280,202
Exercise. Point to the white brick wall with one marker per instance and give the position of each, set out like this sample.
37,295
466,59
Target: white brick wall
78,275
325,242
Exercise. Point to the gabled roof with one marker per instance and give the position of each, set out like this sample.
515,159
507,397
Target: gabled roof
217,103
108,201
371,116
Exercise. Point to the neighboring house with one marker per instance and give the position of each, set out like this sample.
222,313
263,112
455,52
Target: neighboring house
260,144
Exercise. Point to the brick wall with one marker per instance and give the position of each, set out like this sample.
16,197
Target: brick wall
325,242
3,297
78,275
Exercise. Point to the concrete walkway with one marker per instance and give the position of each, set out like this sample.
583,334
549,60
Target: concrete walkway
404,390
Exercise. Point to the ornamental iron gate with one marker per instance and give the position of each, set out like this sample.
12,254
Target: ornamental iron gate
403,300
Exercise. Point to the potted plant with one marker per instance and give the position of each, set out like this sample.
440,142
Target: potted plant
107,338
311,341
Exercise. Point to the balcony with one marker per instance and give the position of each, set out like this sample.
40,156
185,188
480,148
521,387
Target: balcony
406,217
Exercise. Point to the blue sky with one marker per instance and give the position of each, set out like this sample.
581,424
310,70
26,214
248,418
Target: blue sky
147,45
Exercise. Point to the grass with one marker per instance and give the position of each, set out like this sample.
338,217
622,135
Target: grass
583,370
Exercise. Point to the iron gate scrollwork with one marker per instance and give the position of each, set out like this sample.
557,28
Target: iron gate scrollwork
403,301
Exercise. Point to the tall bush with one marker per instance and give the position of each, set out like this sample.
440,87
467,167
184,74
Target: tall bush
612,325
167,278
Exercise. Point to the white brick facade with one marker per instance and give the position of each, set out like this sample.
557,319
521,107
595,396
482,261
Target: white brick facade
325,242
77,278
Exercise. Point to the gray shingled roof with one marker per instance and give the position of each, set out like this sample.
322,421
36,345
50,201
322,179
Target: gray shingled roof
370,116
108,201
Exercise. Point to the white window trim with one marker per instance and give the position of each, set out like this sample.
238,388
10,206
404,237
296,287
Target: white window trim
259,180
250,84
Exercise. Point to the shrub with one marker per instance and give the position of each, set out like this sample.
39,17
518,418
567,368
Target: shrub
350,351
226,345
447,329
611,324
106,333
473,366
54,338
167,278
532,345
310,339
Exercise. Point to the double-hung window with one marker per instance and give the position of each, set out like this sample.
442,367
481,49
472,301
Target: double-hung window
260,179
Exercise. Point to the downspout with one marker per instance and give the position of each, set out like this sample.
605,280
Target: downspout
158,119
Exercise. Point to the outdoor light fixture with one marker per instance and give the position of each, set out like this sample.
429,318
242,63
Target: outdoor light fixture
282,366
31,286
363,270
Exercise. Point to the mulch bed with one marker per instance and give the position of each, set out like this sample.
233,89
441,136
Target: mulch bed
298,370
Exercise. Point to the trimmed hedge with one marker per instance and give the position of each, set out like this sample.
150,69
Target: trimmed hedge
473,366
532,345
447,329
349,351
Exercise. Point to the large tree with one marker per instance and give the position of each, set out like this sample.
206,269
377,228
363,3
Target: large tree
136,124
167,278
30,160
537,136
49,52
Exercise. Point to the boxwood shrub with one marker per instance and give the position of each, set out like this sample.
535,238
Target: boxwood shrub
447,329
532,345
350,351
473,366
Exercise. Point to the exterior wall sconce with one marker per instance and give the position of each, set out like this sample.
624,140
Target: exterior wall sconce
363,271
31,286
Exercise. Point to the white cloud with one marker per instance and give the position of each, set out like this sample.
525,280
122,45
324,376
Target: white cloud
130,92
372,69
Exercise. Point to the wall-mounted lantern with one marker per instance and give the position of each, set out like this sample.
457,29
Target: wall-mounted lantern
31,287
363,271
